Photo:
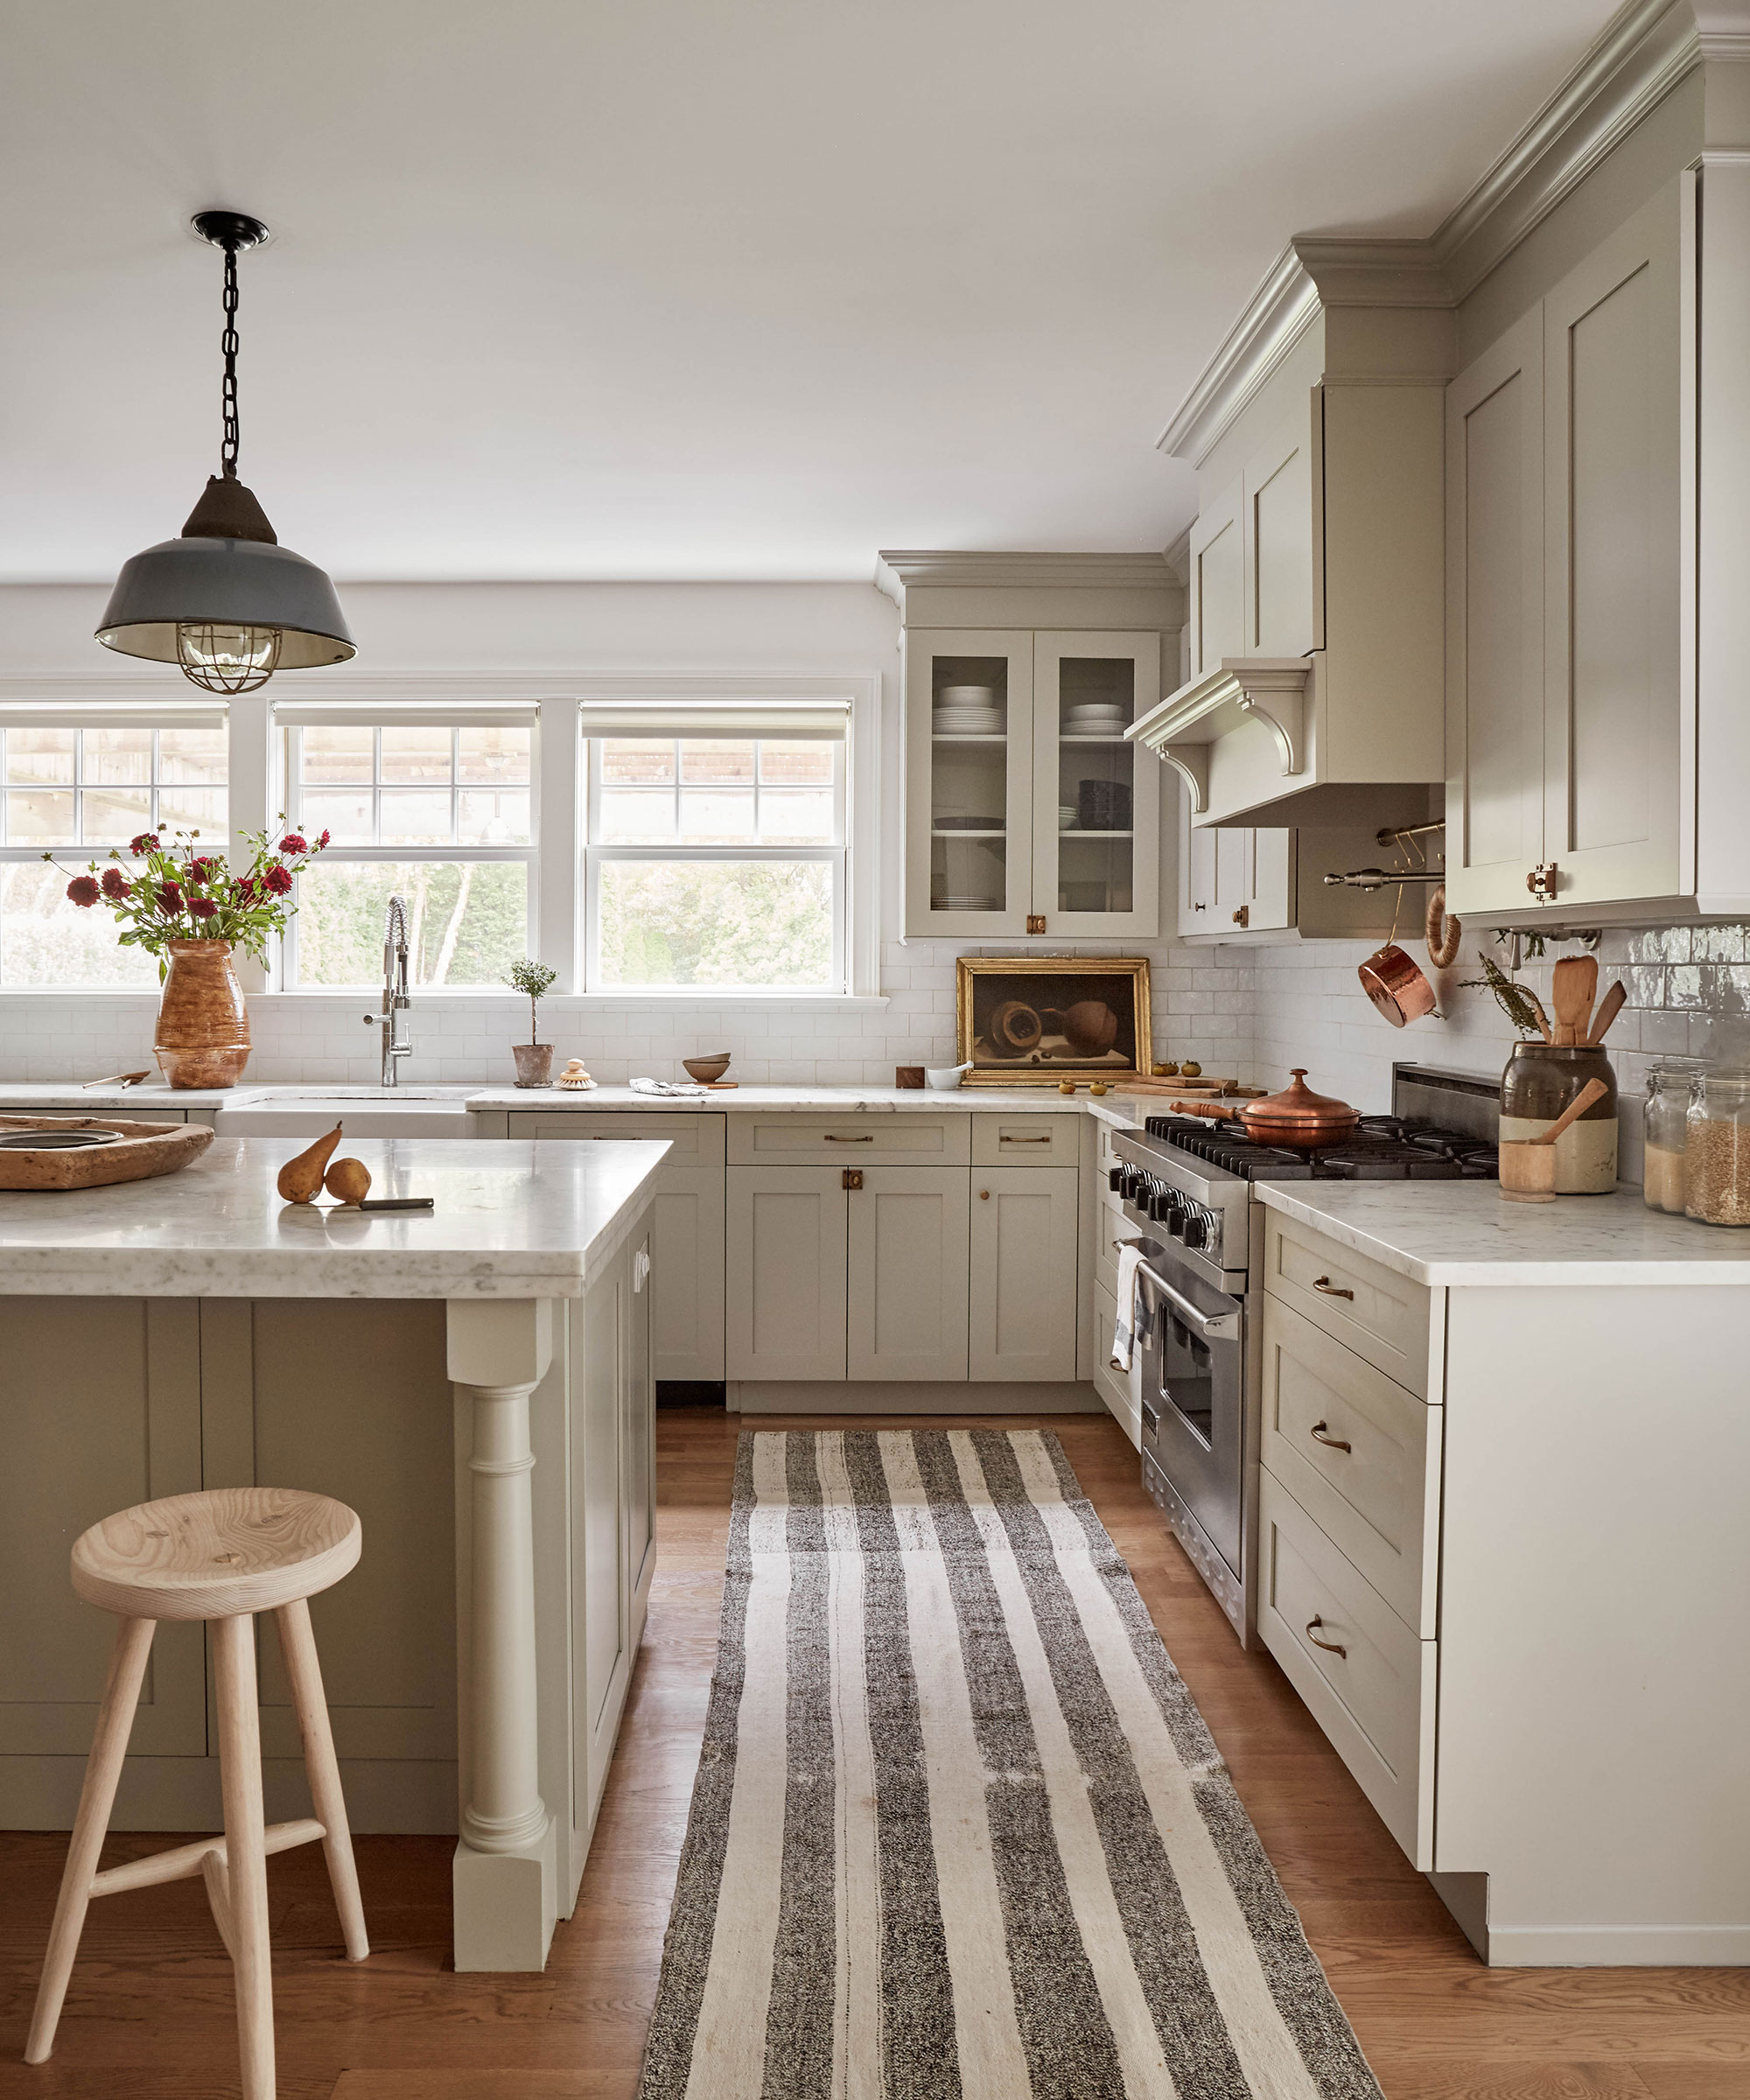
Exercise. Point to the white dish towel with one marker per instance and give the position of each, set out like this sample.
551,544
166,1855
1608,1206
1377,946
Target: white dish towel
667,1088
1124,1333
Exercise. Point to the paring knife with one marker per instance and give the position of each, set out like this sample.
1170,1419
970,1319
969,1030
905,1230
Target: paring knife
396,1203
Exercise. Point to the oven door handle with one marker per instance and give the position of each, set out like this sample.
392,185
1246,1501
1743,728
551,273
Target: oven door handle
1213,1326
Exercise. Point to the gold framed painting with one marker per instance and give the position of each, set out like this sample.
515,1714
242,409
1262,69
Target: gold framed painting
1027,1020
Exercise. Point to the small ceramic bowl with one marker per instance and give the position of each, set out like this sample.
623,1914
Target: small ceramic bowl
944,1078
705,1069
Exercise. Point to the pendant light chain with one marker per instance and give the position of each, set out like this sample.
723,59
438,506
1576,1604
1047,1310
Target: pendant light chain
227,343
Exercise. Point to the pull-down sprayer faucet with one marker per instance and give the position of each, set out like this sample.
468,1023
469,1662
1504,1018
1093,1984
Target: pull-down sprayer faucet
395,999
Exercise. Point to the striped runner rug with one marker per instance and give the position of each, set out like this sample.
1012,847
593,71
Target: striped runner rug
959,1831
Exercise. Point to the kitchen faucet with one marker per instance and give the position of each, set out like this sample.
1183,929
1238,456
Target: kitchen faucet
395,999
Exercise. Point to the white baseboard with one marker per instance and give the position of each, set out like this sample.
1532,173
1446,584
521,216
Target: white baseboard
1618,1946
820,1396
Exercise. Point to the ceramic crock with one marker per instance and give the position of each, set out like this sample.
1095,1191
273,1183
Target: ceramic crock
203,1031
1541,1078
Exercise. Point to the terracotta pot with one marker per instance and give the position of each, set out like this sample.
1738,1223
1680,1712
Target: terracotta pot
203,1032
1015,1026
1091,1027
534,1064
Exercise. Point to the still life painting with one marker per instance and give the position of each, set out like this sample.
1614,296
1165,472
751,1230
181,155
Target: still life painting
1037,1020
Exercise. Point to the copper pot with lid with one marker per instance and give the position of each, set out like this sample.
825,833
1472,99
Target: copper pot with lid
1297,1116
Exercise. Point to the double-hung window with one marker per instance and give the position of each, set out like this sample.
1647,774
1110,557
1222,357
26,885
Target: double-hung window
715,848
75,781
434,804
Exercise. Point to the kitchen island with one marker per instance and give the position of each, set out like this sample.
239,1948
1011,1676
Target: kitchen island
1503,1553
475,1381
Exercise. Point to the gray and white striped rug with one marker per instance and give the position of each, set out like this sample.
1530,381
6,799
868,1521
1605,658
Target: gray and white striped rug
959,1832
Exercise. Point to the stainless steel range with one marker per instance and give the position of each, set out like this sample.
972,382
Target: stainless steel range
1187,1188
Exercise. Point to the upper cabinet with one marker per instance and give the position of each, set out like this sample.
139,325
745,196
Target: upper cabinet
1571,444
1314,692
1028,809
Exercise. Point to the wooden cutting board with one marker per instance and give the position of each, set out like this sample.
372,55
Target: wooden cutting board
141,1151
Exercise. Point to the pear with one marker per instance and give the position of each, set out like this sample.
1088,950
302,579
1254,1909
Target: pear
349,1180
300,1179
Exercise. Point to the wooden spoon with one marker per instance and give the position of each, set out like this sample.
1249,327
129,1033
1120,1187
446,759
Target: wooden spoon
1608,1007
1594,1089
1572,989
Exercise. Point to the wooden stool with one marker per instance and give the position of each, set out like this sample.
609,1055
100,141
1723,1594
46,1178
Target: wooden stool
222,1555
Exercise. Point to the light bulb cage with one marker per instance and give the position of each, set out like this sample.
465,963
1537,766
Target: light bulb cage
200,651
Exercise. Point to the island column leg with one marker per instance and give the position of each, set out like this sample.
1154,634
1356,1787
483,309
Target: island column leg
504,1881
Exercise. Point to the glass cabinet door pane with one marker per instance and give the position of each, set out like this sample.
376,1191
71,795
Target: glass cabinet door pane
1095,784
969,783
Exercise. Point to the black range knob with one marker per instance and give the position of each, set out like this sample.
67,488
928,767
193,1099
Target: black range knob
1196,1231
1114,1179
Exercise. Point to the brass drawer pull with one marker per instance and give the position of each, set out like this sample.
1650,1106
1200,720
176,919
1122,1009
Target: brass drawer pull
1330,1289
1317,1433
1331,1648
1004,1138
832,1138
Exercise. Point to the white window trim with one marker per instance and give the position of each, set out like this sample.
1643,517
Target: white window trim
557,922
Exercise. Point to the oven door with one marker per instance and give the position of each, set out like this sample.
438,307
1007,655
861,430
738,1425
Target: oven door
1193,1376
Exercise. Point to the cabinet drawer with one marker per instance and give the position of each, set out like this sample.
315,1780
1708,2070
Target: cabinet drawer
1373,1311
896,1140
1027,1140
1375,1700
1378,1499
697,1139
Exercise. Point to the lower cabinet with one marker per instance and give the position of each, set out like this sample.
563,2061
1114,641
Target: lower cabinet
613,1509
1023,1292
901,1273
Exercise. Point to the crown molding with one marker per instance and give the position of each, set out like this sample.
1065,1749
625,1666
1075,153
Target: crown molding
1645,50
897,571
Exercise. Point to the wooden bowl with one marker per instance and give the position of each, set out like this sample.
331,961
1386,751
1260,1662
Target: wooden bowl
139,1152
705,1069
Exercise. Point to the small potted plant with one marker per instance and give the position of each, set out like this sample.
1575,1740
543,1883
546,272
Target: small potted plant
534,1059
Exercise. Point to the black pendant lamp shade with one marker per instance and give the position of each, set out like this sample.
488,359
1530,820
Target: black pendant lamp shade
225,600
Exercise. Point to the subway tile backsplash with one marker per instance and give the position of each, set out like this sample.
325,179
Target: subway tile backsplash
1253,1011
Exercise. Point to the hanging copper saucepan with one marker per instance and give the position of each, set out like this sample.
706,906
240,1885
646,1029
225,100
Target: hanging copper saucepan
1297,1116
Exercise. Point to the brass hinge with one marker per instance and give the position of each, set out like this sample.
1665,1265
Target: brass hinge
1035,923
851,1178
1543,880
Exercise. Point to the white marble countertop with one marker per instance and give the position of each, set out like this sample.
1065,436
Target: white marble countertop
1460,1232
835,1101
512,1220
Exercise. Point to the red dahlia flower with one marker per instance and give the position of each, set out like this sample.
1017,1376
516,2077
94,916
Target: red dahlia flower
83,889
278,880
146,842
244,889
202,908
322,842
292,842
170,899
201,871
116,884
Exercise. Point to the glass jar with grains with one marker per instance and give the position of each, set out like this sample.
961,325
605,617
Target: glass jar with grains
1717,1157
1665,1123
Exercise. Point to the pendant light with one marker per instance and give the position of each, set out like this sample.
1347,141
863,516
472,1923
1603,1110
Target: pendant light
226,601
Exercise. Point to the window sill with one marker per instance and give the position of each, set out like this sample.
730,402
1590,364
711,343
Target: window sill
570,1002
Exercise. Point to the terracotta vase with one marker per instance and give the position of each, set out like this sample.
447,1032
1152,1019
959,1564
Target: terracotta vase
203,1033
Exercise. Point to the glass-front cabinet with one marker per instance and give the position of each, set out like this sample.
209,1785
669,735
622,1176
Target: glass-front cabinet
1028,811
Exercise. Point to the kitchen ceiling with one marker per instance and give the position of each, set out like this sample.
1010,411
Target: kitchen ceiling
685,288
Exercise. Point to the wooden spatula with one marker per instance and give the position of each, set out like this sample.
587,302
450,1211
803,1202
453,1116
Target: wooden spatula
1607,1009
1594,1089
1572,992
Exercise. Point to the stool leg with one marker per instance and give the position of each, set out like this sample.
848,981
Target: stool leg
97,1796
297,1645
239,1774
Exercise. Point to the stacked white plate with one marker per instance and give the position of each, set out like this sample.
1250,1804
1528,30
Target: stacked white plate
966,904
1095,718
967,710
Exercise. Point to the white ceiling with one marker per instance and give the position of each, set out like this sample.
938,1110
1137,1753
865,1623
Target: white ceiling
685,288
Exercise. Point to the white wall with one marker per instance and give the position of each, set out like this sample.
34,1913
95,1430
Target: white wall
1202,1000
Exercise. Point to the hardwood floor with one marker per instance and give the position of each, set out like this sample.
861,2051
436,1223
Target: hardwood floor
149,2013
